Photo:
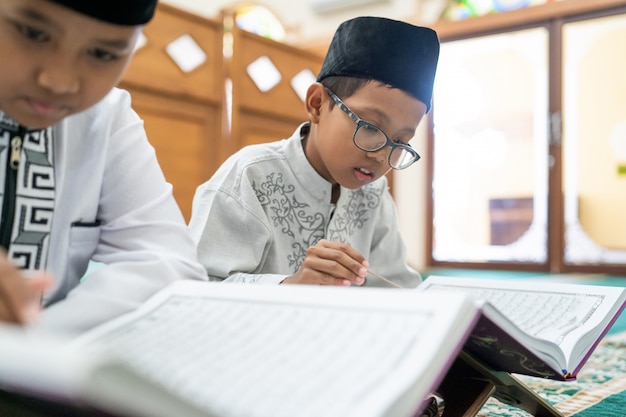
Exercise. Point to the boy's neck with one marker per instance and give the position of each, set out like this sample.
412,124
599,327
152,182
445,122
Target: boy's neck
305,132
336,192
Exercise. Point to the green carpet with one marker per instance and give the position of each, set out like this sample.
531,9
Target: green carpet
614,405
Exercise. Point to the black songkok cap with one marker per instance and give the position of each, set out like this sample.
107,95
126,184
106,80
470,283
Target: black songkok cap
119,12
395,53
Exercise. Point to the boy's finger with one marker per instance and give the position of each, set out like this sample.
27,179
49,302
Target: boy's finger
330,270
20,296
342,265
32,307
39,283
11,293
344,248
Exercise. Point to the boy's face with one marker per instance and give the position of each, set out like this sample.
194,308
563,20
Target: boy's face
57,62
332,151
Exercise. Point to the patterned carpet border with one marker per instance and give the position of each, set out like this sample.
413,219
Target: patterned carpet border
585,399
599,390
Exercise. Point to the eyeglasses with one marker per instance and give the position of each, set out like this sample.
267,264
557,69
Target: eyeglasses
370,138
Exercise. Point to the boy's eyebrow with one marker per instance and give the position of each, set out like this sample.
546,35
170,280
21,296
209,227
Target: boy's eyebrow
381,116
119,44
30,13
386,120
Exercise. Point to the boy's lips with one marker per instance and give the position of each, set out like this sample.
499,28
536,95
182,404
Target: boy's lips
45,109
363,174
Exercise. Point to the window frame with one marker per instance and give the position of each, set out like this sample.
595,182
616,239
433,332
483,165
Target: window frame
552,16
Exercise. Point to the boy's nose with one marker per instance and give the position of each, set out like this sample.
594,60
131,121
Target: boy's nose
380,155
58,80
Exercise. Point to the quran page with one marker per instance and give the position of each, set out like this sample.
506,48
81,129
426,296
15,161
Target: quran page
257,351
562,323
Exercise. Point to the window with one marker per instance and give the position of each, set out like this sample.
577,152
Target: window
529,141
259,20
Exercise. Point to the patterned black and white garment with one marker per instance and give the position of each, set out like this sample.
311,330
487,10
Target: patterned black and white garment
27,193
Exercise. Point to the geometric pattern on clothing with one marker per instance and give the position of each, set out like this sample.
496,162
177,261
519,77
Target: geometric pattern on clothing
34,201
5,138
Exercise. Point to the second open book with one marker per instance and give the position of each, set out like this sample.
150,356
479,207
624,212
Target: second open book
543,329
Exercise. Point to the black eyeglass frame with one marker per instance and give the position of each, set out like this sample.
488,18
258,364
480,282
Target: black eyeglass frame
361,123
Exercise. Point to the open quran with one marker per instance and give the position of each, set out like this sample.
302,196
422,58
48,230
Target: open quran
535,328
216,349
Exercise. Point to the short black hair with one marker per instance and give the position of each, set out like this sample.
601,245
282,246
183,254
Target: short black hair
344,86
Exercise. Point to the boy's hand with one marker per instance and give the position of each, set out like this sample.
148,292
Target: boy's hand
19,296
331,263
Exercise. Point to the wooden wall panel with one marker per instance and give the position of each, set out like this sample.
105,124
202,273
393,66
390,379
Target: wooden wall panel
153,69
259,128
259,116
182,111
178,131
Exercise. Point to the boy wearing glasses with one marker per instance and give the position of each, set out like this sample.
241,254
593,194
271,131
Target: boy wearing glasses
315,208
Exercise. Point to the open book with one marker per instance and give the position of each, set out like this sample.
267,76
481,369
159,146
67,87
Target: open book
535,328
208,349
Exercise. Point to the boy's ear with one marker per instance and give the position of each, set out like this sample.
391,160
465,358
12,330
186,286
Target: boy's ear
313,101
